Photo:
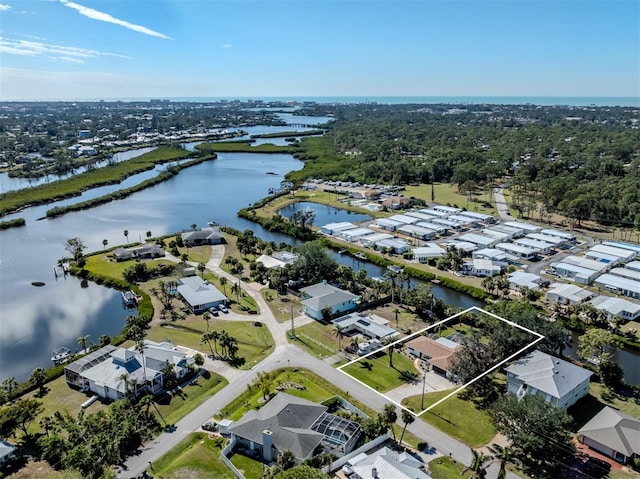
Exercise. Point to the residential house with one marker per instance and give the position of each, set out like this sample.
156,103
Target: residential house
429,250
517,250
199,295
576,273
396,202
290,423
481,268
334,228
277,260
322,297
146,251
371,325
398,246
564,293
559,382
438,353
520,279
619,285
203,236
114,373
388,464
614,434
617,307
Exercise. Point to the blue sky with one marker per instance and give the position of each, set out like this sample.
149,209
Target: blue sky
81,49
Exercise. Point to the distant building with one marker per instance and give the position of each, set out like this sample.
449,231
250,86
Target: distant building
557,381
203,236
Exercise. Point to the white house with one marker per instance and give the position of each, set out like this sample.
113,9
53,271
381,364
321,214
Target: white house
559,382
564,293
399,246
520,279
6,451
482,268
625,255
526,227
115,373
620,285
576,273
415,231
322,297
370,240
620,307
199,295
387,224
371,325
385,463
429,250
517,250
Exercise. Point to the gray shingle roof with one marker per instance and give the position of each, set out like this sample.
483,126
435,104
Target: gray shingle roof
289,419
548,374
614,429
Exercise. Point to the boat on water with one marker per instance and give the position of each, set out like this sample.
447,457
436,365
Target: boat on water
212,223
129,298
359,255
61,356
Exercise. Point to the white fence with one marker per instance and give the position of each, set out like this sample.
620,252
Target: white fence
227,461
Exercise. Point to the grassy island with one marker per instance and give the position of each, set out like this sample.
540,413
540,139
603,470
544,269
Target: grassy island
243,147
14,200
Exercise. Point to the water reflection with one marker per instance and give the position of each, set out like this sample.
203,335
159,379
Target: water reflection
325,214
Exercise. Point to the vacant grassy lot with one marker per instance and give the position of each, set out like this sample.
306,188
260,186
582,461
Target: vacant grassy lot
254,343
456,417
172,409
376,372
251,468
447,194
196,457
281,305
107,266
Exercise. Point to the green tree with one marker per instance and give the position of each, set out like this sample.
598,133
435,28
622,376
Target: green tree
82,341
19,415
338,332
407,418
105,242
223,283
104,340
9,385
206,316
38,377
538,432
75,247
597,344
504,455
126,235
286,460
478,466
202,268
389,417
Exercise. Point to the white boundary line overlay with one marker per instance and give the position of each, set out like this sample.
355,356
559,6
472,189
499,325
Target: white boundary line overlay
539,337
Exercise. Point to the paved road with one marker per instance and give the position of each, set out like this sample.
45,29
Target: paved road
501,204
285,354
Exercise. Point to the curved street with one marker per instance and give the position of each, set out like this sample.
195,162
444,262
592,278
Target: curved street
284,355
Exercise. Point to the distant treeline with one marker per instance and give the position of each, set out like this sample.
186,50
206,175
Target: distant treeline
243,147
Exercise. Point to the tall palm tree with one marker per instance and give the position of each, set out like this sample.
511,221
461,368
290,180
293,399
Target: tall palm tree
140,349
206,338
105,242
503,454
83,340
9,384
126,235
396,312
389,417
124,377
202,267
407,418
338,331
38,377
206,316
478,466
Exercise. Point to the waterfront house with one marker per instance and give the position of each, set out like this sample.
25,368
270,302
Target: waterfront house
203,236
429,250
520,279
114,373
322,297
617,307
278,259
371,325
146,251
614,434
199,295
559,382
288,422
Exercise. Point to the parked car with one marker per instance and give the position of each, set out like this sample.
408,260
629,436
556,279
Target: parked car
223,308
214,311
210,426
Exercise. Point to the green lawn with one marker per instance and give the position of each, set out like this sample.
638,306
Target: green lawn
376,372
280,305
61,397
196,457
104,265
254,343
447,194
447,468
172,409
456,417
250,468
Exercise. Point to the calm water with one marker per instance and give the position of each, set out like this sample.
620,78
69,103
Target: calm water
7,183
324,214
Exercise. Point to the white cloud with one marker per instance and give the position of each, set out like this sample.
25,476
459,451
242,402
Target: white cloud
51,51
227,45
105,17
4,8
68,59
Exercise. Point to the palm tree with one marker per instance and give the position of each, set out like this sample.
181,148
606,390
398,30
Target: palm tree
206,316
104,339
503,454
478,466
388,341
82,341
396,312
140,349
38,377
407,418
223,283
338,331
389,417
148,234
126,235
105,242
235,288
201,267
194,226
206,338
9,384
124,377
